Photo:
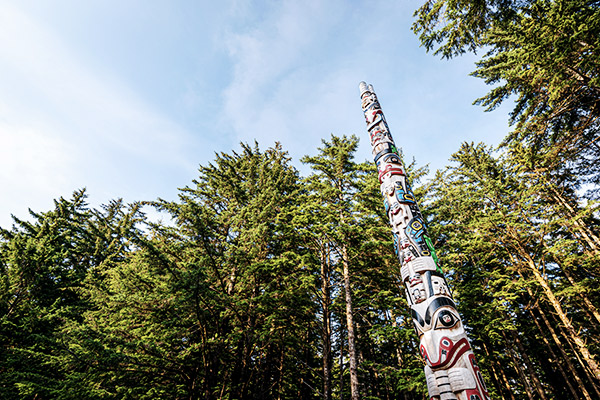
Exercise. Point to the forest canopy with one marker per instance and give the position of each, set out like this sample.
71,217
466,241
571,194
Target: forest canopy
243,293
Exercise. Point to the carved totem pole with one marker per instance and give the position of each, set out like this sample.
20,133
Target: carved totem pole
450,366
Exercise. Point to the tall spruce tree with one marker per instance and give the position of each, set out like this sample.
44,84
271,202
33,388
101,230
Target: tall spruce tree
218,305
367,303
543,54
336,182
313,223
44,264
500,232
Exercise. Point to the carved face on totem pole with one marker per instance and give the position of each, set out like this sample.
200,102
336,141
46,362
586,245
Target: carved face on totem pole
450,369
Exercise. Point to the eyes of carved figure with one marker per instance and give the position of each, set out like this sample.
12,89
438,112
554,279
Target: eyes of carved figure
392,158
416,224
445,320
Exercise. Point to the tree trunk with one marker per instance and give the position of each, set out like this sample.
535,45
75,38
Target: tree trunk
518,368
560,347
586,370
579,227
581,347
326,332
552,356
590,309
399,357
350,326
529,365
280,371
341,338
500,377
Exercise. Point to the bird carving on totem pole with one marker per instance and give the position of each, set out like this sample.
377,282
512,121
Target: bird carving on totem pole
450,366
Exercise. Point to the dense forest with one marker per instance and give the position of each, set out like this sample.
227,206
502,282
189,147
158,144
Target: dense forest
252,283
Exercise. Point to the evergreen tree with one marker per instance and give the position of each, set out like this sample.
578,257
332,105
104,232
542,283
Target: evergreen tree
336,183
543,54
367,308
498,230
219,305
43,265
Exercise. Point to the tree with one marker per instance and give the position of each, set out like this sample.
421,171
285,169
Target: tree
336,183
349,232
44,264
313,223
543,53
219,305
498,229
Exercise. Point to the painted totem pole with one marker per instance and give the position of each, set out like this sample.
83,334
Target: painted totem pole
450,366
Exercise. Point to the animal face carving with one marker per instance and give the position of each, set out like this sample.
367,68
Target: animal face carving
450,370
439,314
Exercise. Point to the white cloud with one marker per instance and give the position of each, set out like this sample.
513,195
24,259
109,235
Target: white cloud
63,125
261,97
296,72
32,164
67,121
98,106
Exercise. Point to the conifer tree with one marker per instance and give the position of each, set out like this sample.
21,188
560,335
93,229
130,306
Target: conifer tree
44,264
217,305
336,180
344,201
499,230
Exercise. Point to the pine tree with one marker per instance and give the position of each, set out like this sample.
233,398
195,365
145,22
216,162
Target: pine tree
218,305
368,309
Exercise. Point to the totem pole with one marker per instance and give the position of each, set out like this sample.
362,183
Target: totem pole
450,366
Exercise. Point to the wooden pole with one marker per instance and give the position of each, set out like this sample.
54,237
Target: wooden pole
450,366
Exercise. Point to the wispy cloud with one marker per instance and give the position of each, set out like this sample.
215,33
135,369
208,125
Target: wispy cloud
63,125
297,69
275,75
119,120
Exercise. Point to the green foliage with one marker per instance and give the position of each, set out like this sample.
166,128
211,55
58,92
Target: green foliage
242,295
497,228
205,307
451,27
344,198
521,231
44,263
541,53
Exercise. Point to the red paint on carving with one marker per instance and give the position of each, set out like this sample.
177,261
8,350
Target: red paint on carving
479,377
391,169
454,352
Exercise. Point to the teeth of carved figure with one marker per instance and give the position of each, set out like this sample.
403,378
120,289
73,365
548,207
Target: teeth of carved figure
451,370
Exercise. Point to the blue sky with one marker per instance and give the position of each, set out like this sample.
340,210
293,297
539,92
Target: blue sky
127,98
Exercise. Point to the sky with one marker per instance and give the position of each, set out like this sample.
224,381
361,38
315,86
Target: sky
127,98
